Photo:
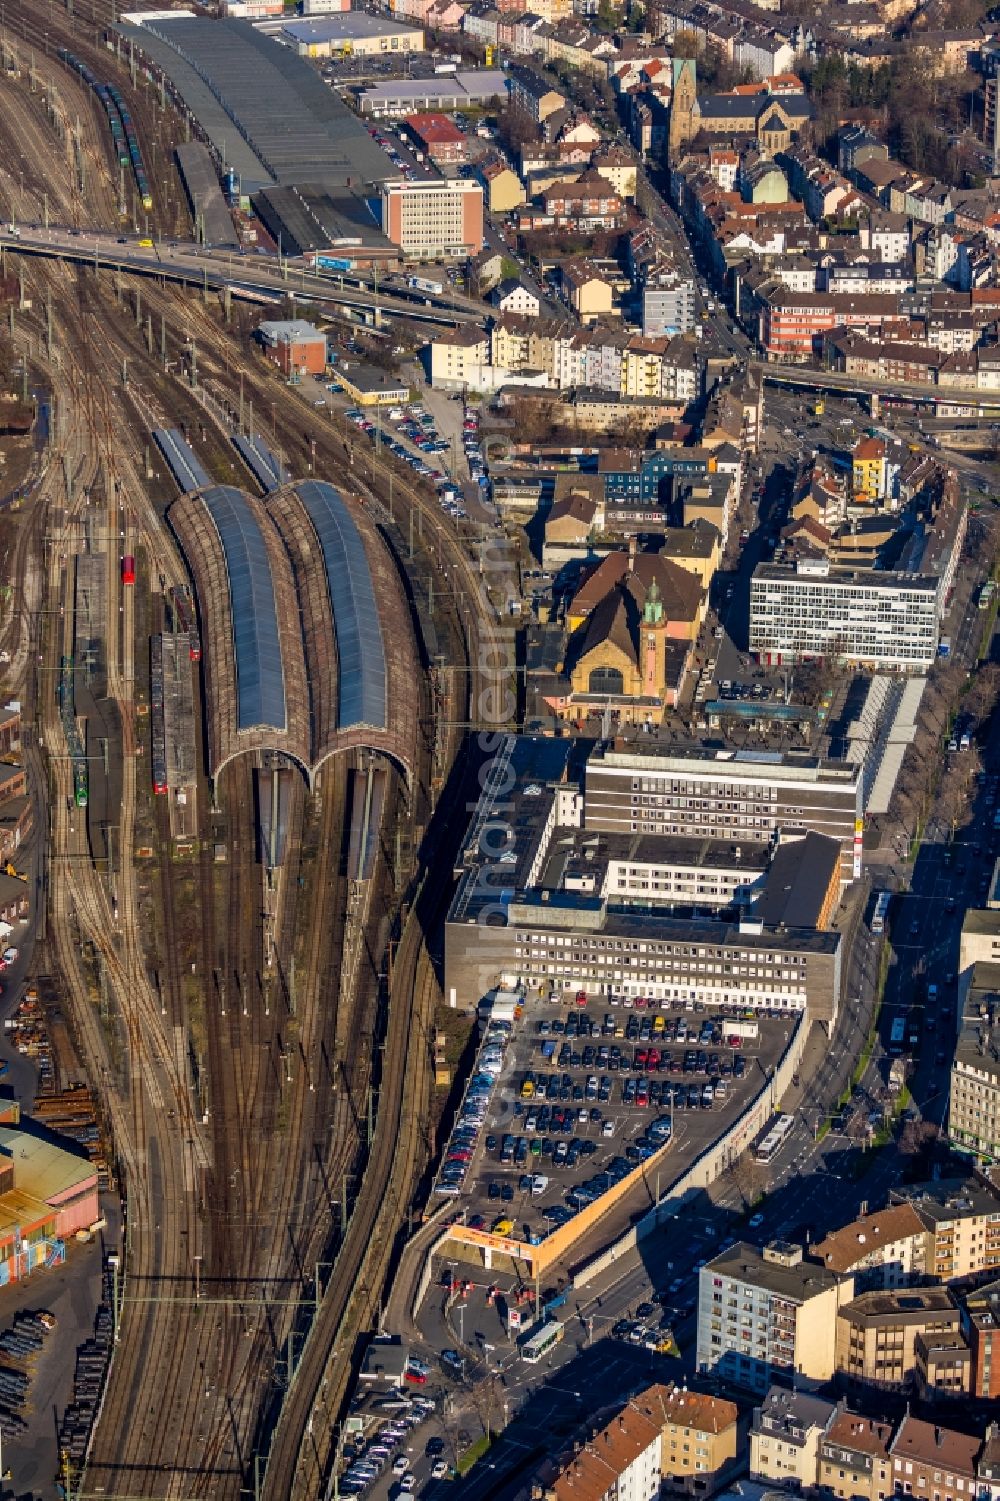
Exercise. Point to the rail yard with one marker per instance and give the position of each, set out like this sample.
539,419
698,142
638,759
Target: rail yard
252,918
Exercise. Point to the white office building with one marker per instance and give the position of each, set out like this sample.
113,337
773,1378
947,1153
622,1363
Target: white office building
878,620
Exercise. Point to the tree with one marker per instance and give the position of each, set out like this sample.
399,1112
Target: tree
516,128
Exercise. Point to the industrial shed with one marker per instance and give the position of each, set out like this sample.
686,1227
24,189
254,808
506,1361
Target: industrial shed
306,636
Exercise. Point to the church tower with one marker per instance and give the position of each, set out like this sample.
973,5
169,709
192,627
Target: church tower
683,106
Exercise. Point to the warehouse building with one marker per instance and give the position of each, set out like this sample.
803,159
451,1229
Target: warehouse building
875,620
333,221
435,219
478,88
522,917
352,33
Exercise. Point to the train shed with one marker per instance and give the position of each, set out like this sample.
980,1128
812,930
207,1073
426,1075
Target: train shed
360,653
306,635
254,668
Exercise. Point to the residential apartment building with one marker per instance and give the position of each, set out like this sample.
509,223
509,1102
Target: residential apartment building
766,1314
785,1436
962,1217
877,620
622,1462
533,95
877,1334
434,219
869,468
699,1439
854,1459
974,1105
668,305
882,1251
653,787
459,356
933,1462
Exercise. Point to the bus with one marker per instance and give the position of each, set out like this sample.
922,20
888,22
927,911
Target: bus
544,1339
128,569
772,1138
897,1036
881,912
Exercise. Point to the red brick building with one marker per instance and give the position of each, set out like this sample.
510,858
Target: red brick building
295,346
982,1308
438,137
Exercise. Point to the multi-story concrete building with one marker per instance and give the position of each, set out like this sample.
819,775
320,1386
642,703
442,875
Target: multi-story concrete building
654,787
884,1250
524,912
962,1217
295,346
668,305
980,941
854,1460
876,620
877,1334
767,1314
434,219
785,1436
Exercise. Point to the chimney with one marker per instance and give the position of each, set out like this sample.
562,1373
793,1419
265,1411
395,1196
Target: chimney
633,547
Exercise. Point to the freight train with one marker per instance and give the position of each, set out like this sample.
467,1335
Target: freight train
74,740
159,734
123,136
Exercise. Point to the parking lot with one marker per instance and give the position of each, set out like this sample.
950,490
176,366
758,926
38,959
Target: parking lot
568,1098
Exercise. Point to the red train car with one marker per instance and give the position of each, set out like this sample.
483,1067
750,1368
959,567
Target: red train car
128,569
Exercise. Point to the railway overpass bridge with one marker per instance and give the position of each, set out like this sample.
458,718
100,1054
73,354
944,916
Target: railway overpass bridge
945,401
254,278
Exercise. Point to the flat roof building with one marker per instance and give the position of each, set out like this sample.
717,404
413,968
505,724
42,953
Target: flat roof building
407,96
438,219
295,346
648,786
352,33
878,620
523,916
767,1313
877,1334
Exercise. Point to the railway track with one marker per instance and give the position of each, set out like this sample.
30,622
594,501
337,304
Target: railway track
133,1438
